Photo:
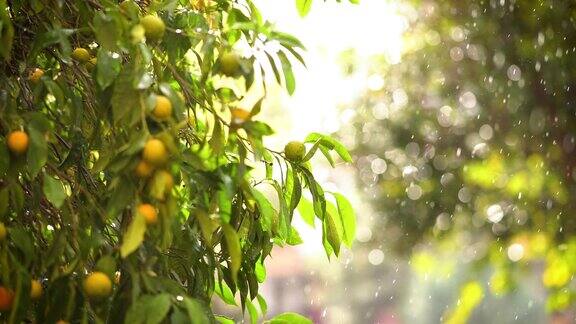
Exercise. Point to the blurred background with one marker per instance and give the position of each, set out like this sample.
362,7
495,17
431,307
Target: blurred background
460,116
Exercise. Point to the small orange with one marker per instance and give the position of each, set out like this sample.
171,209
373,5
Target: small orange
143,170
97,285
163,108
239,115
36,290
35,75
18,142
6,299
81,55
149,213
62,322
155,152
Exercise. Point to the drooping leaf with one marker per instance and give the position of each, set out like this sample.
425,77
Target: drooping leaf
149,309
233,247
134,235
347,217
303,7
289,318
331,144
54,191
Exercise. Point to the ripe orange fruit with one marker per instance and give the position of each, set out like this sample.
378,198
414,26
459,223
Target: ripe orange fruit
6,299
153,26
143,169
35,75
239,115
295,151
97,285
18,142
155,152
3,232
229,63
81,55
91,64
62,322
163,108
149,213
36,290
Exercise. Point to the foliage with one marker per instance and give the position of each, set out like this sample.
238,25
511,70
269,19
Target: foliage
470,141
142,104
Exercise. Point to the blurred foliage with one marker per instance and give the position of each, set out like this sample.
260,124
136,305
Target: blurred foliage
470,141
127,150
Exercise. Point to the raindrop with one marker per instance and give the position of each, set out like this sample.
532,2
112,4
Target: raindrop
464,195
400,97
468,99
376,257
414,192
495,213
456,54
515,252
486,132
514,73
378,166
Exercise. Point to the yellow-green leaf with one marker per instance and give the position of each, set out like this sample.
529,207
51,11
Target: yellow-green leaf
134,236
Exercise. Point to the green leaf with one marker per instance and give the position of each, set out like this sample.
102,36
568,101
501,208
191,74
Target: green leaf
54,191
331,144
327,155
4,201
149,309
126,99
294,237
37,151
263,305
196,311
303,7
233,247
224,320
24,241
290,81
107,30
274,68
260,271
224,292
134,235
289,318
107,264
318,199
4,157
6,31
331,232
268,214
348,218
108,67
306,211
252,311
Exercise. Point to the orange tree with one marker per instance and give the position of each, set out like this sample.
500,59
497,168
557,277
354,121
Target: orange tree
126,184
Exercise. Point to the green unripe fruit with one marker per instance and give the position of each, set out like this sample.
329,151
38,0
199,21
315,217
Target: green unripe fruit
229,64
81,55
91,64
153,27
295,151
